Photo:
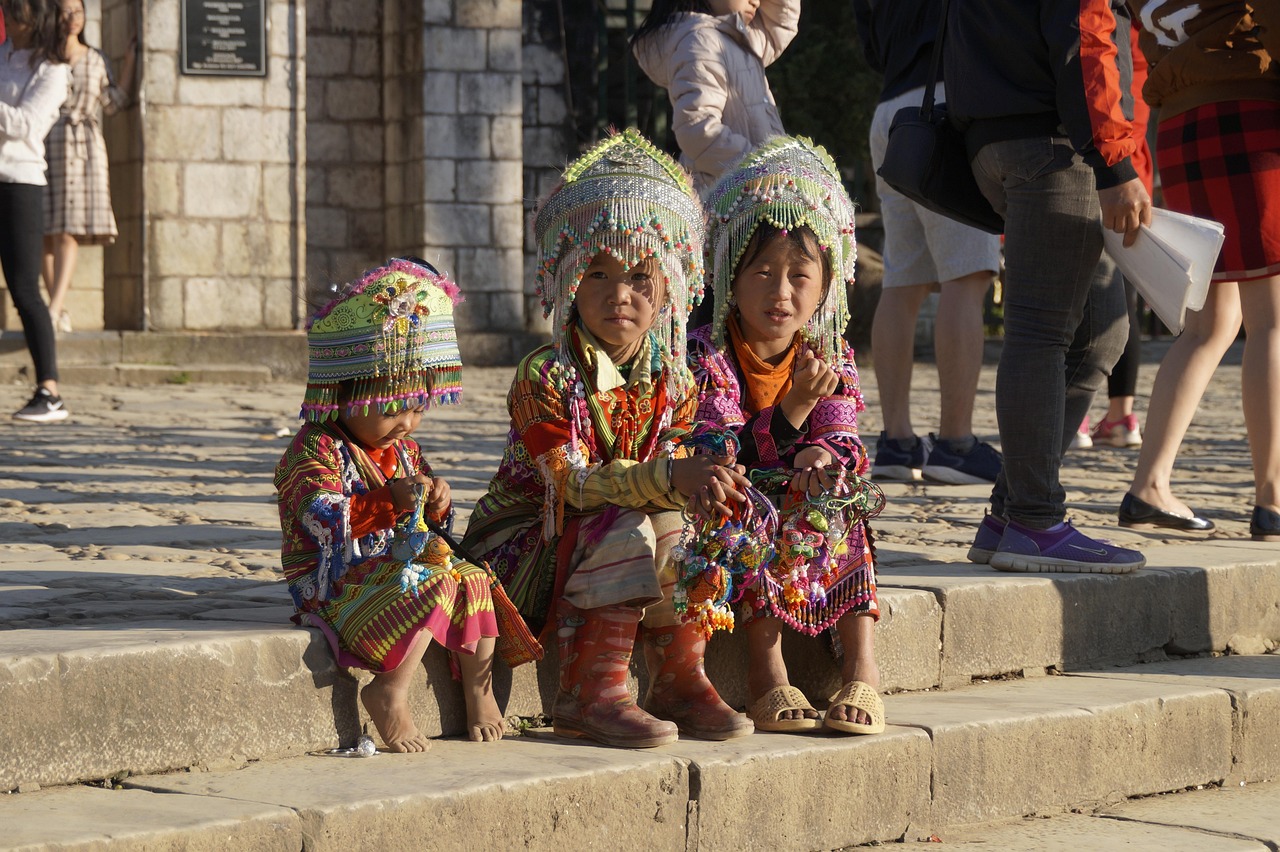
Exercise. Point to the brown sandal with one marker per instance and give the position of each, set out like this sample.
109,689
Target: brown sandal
767,710
859,696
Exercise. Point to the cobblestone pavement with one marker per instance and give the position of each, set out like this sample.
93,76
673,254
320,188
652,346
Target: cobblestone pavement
157,503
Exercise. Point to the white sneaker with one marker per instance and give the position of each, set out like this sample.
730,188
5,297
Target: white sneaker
44,407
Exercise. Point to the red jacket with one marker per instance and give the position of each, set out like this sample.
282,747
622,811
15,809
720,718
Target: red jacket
1021,68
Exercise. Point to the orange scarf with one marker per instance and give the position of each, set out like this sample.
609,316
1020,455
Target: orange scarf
764,384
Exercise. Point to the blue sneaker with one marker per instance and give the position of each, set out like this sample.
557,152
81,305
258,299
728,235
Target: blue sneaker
990,531
1061,548
898,460
981,465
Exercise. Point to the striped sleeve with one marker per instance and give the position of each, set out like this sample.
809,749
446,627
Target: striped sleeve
626,483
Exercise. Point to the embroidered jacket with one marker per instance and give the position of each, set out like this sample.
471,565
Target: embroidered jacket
768,439
583,438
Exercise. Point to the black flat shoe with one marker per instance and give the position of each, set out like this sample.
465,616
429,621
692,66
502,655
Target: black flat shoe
1264,525
1139,513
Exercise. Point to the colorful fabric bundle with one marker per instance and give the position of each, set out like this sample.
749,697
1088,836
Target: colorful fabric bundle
818,537
628,198
788,182
716,554
391,336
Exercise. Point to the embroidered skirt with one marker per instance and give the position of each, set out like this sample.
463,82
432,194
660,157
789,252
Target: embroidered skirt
1221,161
371,623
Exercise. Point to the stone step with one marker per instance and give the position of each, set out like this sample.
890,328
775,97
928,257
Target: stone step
952,758
146,694
103,356
1215,819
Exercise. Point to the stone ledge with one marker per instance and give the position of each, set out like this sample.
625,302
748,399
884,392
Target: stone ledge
956,758
1009,749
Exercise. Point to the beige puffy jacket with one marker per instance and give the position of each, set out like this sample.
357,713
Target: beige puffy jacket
713,71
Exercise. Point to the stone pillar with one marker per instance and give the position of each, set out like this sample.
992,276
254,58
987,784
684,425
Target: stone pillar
548,130
345,139
463,205
218,237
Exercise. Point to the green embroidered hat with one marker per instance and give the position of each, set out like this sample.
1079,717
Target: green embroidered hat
390,333
630,199
788,182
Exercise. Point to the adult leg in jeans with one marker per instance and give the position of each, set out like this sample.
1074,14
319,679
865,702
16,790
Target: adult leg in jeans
21,241
1099,339
1098,344
1053,239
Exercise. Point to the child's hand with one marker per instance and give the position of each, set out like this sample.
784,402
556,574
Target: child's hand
439,498
709,483
812,380
813,480
402,490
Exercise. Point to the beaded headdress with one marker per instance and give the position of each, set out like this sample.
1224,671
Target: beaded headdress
630,199
788,182
391,335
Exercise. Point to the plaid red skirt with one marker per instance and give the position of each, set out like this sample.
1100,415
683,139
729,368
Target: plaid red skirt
1221,161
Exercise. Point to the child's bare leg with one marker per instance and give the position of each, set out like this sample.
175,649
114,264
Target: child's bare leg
857,635
484,720
765,667
386,698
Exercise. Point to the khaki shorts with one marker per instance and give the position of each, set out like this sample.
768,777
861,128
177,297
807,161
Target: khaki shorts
920,246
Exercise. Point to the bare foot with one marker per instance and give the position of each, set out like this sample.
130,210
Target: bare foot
485,723
389,710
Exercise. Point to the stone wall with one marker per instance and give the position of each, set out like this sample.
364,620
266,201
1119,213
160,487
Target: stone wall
548,127
222,224
345,138
469,216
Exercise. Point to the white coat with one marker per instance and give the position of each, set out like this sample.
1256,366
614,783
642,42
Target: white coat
713,71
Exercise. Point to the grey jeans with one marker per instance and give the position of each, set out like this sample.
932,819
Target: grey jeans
1065,320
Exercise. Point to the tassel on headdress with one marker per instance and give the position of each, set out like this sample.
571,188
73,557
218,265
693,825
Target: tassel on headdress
391,335
788,182
629,199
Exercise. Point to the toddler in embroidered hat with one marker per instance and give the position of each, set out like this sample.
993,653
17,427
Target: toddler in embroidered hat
774,367
361,509
584,509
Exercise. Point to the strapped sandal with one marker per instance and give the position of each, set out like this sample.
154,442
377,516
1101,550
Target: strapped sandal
858,696
767,711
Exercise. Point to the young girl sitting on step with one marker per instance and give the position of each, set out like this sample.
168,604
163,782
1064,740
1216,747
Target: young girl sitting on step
774,366
580,518
353,489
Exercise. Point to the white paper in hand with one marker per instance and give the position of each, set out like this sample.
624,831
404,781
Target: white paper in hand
1170,263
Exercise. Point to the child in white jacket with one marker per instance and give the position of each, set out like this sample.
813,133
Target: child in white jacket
710,56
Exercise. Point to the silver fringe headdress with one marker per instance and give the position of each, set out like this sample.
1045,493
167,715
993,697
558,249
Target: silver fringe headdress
629,199
788,182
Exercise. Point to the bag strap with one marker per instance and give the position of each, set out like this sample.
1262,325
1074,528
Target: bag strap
935,63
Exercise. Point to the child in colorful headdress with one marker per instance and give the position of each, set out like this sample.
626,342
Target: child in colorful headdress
361,562
587,501
774,366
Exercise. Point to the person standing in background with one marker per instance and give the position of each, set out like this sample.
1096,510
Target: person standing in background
710,56
1215,81
1040,96
34,78
77,203
923,252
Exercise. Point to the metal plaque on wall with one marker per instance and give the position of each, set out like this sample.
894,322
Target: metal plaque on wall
226,38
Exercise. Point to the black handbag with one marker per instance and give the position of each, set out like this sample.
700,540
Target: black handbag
925,158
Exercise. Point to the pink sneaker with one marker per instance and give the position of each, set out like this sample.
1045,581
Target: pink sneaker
1081,440
1118,433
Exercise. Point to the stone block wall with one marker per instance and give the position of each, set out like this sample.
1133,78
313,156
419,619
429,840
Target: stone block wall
345,138
464,211
221,218
548,127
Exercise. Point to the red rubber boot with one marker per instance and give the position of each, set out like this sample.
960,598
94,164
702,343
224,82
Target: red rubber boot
595,652
679,689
